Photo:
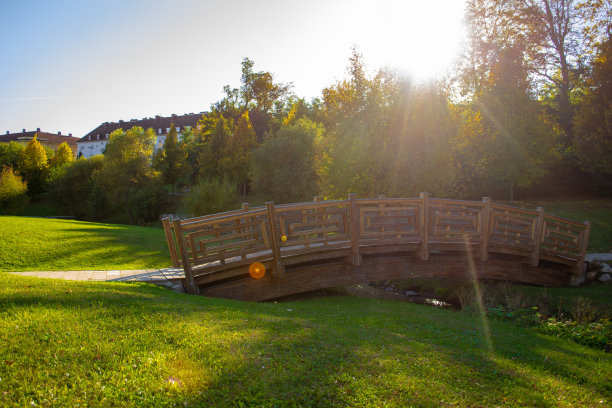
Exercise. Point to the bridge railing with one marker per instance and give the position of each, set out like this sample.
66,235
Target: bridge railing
271,234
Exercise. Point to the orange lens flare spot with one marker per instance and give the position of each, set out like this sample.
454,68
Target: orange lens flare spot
257,270
283,238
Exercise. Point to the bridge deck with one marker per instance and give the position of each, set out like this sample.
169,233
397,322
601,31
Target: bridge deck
313,245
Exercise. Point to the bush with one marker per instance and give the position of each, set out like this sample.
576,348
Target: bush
209,197
13,192
74,189
149,202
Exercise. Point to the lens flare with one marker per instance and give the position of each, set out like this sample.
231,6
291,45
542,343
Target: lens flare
257,270
283,238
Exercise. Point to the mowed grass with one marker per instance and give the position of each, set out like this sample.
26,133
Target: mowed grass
65,343
39,244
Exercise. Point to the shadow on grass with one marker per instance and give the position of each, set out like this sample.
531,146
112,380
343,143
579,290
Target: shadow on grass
331,351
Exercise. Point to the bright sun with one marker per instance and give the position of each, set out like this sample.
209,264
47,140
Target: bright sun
422,38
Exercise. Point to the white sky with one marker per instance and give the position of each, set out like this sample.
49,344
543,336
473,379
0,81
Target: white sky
70,65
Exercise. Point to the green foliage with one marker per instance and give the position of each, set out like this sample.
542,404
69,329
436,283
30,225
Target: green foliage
127,166
149,201
171,161
216,131
13,192
10,154
284,168
76,191
210,196
594,118
33,166
63,245
237,155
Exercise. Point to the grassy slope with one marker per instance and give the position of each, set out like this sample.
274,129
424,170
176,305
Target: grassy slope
38,244
110,344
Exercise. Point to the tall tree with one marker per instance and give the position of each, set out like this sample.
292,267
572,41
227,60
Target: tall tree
235,162
33,166
171,159
216,136
594,118
516,137
127,165
63,155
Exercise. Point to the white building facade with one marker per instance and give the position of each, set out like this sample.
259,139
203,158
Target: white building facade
94,142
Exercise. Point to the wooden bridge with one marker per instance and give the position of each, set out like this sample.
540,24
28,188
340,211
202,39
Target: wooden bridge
321,244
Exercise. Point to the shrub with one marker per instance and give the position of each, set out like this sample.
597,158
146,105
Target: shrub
13,192
210,196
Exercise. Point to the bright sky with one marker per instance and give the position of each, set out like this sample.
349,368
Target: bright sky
69,65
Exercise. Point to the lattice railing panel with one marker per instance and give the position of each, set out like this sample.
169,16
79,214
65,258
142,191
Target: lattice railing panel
228,239
450,222
391,220
512,227
314,225
562,238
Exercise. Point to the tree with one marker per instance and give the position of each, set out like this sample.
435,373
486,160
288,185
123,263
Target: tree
62,156
33,166
127,165
283,169
237,155
258,94
517,139
76,189
13,192
210,196
10,154
214,148
171,159
594,119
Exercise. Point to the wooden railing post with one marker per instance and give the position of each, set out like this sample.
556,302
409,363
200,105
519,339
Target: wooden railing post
583,248
355,230
537,237
484,238
182,244
279,268
424,227
317,199
245,206
171,243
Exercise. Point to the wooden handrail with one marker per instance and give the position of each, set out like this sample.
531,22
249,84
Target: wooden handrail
241,236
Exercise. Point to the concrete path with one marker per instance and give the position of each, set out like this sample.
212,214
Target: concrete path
141,275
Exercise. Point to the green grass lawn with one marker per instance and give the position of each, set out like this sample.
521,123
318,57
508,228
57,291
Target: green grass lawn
65,343
39,244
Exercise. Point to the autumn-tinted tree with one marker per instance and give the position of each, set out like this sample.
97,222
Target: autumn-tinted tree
284,169
33,166
63,155
13,192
